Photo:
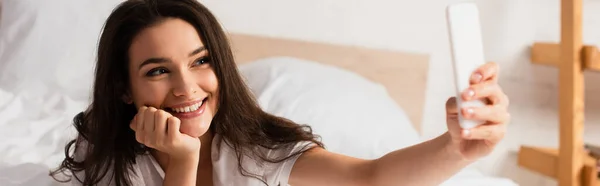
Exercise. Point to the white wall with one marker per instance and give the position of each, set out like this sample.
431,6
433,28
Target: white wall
398,25
509,26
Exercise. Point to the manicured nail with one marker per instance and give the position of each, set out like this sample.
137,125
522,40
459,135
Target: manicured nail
466,133
469,112
476,77
470,93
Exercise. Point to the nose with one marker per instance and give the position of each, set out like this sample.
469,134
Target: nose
184,85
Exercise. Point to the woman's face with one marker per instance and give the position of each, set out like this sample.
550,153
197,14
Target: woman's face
169,69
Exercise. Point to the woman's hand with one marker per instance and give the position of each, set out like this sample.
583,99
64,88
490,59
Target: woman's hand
159,130
477,142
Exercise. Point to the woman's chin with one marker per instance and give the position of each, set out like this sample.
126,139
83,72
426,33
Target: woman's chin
194,129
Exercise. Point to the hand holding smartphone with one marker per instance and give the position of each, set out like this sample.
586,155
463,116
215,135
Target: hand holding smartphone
466,45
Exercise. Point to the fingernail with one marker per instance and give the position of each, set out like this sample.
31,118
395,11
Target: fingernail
469,112
466,133
476,77
470,93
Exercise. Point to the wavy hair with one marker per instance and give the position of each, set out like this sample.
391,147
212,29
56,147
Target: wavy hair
111,146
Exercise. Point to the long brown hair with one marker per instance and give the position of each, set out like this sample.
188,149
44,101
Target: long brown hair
104,126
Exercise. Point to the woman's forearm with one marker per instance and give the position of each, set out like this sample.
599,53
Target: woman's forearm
428,163
181,173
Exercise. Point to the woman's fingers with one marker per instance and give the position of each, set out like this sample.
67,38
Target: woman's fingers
133,123
149,126
160,126
159,130
451,106
487,72
139,130
486,91
490,113
492,133
149,120
173,125
140,119
139,136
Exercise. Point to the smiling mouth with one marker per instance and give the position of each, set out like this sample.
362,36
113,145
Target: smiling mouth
187,109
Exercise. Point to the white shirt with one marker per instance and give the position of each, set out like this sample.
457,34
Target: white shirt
147,171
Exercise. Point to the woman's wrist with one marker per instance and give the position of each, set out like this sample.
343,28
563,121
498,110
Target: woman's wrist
192,158
181,172
452,150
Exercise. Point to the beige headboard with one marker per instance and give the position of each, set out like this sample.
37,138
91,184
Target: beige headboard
403,74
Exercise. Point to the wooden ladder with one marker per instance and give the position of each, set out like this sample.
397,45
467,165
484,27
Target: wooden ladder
569,164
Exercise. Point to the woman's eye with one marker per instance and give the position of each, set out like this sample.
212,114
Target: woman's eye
156,72
201,61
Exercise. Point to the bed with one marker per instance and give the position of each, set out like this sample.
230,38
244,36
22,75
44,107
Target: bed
37,106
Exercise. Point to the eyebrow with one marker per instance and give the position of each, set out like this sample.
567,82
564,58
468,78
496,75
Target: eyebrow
164,60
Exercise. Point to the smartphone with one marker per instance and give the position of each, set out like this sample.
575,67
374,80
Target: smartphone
466,46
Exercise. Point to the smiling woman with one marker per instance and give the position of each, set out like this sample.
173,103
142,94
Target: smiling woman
174,74
170,108
165,83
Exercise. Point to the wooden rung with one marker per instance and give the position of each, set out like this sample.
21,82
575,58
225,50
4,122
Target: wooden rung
545,161
549,54
545,53
541,160
590,172
591,57
590,176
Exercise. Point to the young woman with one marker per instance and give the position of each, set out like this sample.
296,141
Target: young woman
170,108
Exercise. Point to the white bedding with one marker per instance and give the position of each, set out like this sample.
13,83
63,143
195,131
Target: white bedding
34,132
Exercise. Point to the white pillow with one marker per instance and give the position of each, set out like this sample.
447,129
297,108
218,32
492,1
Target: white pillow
53,42
353,115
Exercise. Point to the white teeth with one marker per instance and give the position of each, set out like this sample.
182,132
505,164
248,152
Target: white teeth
190,108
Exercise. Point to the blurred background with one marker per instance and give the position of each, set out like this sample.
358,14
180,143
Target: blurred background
510,27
